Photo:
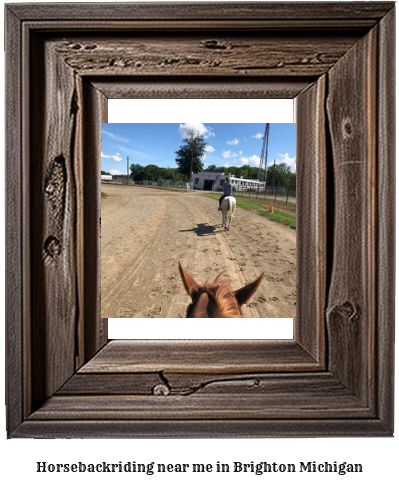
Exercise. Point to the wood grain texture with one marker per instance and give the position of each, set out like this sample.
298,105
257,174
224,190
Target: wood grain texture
112,384
211,26
275,396
95,330
239,55
385,245
175,87
311,218
200,356
14,207
281,11
203,407
53,213
250,428
185,384
351,307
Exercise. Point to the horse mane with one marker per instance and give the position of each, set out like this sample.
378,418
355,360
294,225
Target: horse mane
226,305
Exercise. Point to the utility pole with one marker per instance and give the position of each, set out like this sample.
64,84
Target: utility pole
274,175
127,170
192,156
263,157
192,140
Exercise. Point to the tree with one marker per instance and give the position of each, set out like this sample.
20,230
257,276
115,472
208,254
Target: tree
189,156
136,171
152,172
290,184
277,174
211,168
247,172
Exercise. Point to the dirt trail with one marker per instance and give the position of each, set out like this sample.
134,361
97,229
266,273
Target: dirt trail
145,232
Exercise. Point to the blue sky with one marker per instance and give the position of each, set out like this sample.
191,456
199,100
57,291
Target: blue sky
228,144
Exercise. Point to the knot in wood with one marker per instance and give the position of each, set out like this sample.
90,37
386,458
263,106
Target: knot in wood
50,188
349,310
346,310
213,44
161,390
54,189
52,246
90,47
347,128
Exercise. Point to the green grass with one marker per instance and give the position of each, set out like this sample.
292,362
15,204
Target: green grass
103,195
261,209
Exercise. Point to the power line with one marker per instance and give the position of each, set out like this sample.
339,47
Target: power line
157,160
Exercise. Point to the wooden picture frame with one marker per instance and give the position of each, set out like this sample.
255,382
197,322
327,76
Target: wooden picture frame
335,378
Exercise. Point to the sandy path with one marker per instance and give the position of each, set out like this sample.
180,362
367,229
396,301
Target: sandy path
145,232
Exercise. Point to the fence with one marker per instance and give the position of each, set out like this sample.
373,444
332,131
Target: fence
167,183
161,183
276,193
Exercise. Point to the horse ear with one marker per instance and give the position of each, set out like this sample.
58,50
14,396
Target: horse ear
244,294
190,285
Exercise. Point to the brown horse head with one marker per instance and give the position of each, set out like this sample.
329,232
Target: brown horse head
216,299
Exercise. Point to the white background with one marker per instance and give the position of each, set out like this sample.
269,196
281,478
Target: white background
379,456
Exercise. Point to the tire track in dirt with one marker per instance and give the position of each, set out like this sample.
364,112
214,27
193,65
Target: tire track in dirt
140,251
130,277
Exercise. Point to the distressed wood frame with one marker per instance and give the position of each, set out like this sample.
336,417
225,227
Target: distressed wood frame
64,379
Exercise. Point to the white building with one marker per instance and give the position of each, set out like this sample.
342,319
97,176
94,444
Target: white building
105,177
213,181
241,184
209,181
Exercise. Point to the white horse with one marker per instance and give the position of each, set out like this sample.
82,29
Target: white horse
228,208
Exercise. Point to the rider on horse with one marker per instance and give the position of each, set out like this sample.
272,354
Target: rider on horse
227,191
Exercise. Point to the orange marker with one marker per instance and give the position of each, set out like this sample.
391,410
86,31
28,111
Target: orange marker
270,207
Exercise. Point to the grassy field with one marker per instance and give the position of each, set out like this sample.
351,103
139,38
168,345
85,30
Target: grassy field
263,210
103,195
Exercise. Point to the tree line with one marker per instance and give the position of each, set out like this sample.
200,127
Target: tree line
189,159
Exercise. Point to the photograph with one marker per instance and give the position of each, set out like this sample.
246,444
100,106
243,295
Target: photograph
198,220
149,218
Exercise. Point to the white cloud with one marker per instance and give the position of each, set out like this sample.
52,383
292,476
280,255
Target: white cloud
116,157
251,161
227,154
209,148
187,129
257,136
232,142
290,161
117,137
115,172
